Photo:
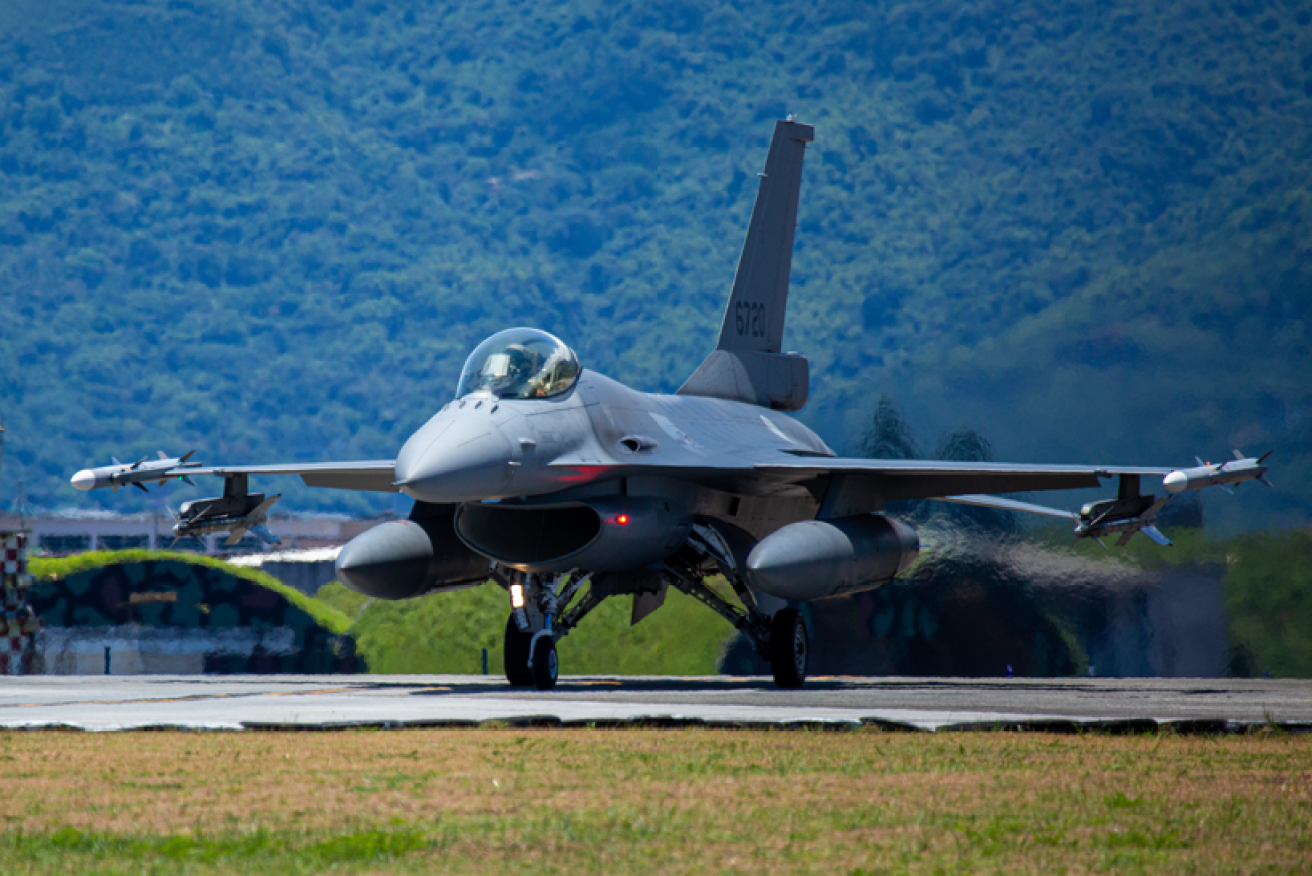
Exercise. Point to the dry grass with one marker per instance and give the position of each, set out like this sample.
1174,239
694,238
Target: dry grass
660,800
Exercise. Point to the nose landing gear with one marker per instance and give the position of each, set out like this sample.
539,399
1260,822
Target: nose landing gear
537,619
545,664
515,654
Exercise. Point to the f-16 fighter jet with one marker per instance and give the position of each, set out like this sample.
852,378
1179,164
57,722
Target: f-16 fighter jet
567,488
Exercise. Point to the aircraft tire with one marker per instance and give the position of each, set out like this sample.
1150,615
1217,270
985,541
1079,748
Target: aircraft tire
515,655
790,646
546,665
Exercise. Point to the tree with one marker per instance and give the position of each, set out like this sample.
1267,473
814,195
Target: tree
889,436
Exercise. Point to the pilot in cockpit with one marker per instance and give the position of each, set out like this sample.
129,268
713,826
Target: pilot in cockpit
520,363
509,372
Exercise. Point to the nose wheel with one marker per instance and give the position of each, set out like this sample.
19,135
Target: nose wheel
789,648
546,665
515,654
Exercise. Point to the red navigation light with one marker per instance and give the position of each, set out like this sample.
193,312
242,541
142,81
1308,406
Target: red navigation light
622,520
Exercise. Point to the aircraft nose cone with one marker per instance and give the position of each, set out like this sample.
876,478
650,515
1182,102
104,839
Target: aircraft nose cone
84,480
463,460
1175,481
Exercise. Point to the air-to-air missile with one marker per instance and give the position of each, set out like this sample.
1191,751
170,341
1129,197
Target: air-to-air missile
233,514
1098,519
1223,474
138,474
1128,513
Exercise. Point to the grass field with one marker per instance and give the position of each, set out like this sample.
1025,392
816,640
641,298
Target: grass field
594,801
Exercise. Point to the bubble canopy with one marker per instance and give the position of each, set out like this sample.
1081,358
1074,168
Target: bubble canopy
519,363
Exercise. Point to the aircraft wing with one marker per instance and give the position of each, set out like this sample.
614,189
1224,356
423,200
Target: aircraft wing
894,479
376,475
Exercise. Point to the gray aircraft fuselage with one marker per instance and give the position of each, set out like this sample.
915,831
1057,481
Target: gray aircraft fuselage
601,432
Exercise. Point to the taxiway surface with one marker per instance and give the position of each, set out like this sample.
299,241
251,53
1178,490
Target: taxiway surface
325,702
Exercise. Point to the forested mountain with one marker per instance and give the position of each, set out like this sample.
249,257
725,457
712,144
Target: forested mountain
272,230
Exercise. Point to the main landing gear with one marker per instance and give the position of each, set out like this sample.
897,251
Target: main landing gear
780,640
789,648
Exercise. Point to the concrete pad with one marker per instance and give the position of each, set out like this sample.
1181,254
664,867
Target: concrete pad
105,703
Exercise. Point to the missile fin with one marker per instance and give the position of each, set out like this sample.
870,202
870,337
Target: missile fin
1103,543
234,536
1125,538
1156,535
1154,508
263,507
140,486
1229,489
1261,459
188,480
1239,456
115,460
262,532
186,456
1101,517
1263,479
162,454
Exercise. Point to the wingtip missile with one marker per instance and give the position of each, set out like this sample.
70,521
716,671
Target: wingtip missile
1225,474
136,474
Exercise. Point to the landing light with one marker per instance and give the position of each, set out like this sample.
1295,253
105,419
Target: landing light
516,596
622,520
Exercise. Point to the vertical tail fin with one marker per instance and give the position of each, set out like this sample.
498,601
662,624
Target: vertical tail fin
754,319
747,365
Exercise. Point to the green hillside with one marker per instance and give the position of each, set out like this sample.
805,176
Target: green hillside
272,231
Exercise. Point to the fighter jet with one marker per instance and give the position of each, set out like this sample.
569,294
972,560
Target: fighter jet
567,488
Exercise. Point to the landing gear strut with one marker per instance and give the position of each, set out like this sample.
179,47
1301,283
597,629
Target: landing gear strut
781,641
542,615
536,621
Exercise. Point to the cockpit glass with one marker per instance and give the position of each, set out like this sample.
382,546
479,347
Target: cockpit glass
519,363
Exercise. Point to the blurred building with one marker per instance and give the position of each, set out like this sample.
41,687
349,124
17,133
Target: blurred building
176,617
70,532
